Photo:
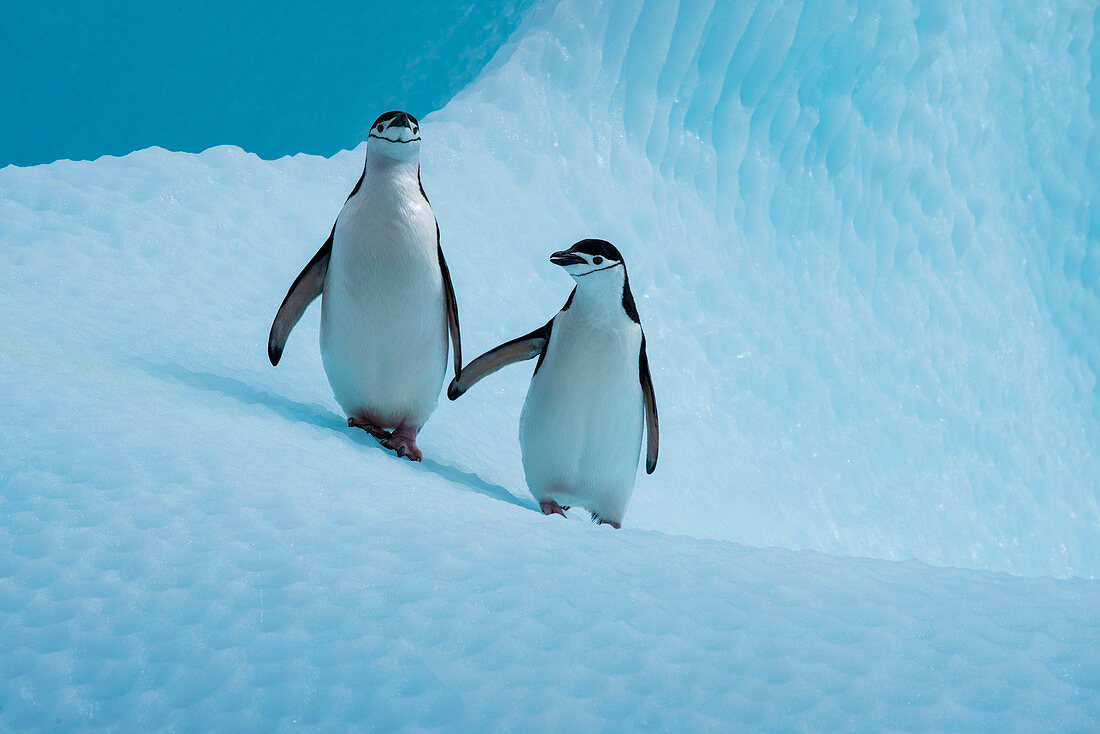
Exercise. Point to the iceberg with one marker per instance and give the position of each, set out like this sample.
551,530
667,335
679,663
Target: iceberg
862,243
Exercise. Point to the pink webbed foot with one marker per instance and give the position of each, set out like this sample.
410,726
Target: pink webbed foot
368,425
600,521
551,507
403,441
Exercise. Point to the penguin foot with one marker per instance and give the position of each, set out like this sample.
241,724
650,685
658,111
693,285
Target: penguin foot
403,441
368,426
600,521
550,507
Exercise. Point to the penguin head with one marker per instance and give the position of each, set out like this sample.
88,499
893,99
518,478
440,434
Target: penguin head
395,135
592,262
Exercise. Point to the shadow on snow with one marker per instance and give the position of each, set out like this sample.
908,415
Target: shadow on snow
321,417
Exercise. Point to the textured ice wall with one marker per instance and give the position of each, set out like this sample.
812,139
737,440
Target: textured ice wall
861,236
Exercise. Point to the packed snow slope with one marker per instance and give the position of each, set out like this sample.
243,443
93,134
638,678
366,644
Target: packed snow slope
862,250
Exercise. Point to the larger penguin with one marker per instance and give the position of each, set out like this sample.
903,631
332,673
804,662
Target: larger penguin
388,304
581,426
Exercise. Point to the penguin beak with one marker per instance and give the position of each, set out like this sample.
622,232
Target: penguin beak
565,257
402,120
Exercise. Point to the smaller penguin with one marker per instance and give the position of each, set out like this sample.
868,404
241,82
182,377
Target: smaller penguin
580,431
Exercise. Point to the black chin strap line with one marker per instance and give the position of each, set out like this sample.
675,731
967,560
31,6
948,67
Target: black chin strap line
379,137
597,270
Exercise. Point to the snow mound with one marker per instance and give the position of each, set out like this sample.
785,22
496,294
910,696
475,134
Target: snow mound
191,539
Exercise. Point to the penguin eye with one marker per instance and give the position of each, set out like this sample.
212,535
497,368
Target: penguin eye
597,260
379,128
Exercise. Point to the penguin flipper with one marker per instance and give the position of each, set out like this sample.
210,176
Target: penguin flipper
307,286
452,307
527,346
650,402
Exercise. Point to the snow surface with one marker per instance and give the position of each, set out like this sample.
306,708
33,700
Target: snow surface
862,247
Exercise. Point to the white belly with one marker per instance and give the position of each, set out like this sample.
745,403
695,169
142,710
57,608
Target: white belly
581,426
383,320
